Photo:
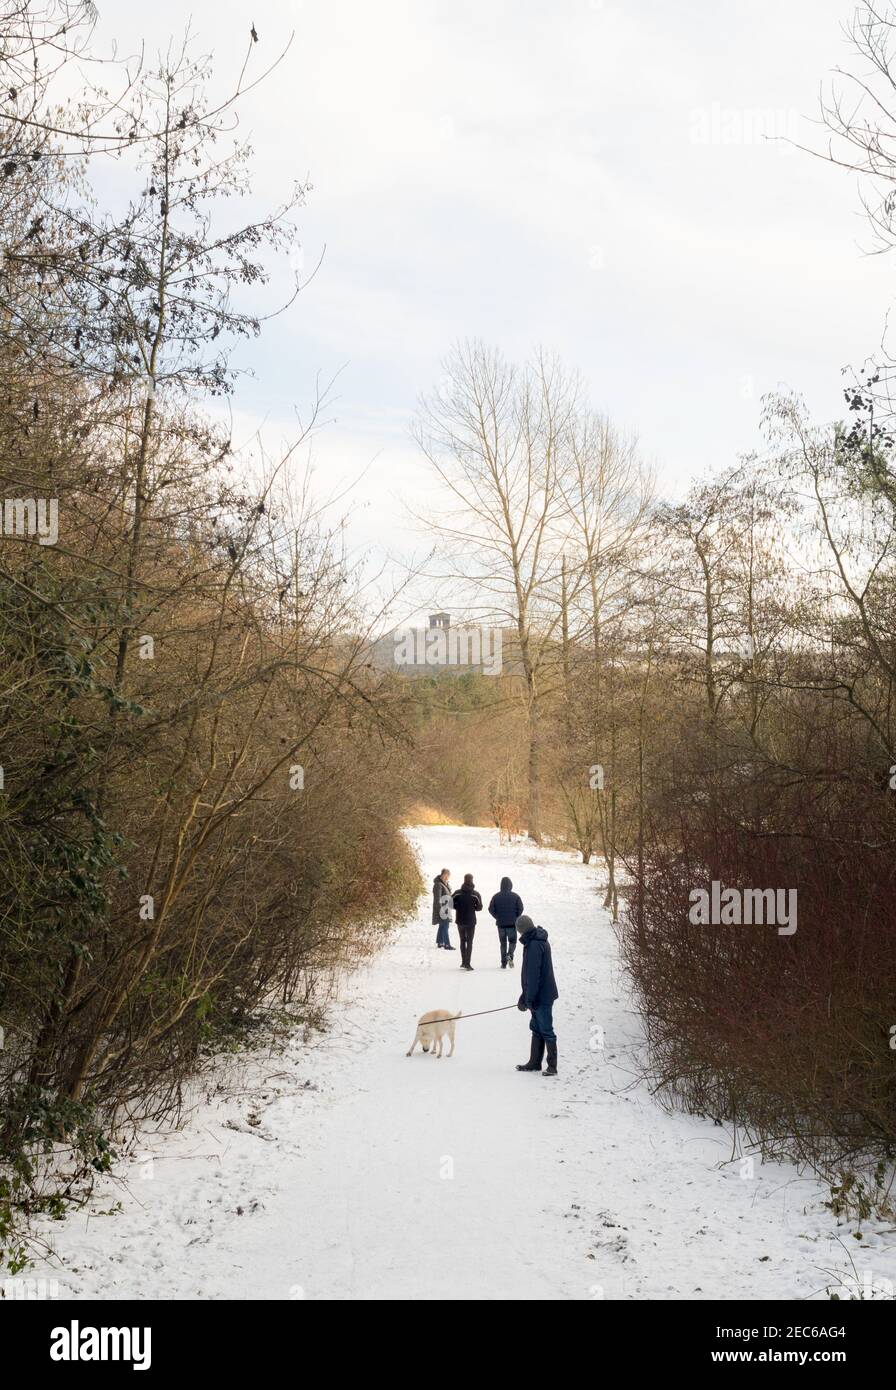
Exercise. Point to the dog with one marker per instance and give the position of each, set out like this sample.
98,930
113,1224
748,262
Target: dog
432,1029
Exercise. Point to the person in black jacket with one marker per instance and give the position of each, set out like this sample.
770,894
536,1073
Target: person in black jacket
467,903
506,906
539,990
441,909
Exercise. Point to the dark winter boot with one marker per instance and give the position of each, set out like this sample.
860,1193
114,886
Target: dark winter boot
551,1068
536,1053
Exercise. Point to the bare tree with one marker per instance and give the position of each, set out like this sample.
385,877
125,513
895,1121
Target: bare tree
859,113
608,495
497,437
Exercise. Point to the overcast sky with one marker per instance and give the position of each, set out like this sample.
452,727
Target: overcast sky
585,175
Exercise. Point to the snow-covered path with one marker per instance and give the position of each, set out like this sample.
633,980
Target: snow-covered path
346,1171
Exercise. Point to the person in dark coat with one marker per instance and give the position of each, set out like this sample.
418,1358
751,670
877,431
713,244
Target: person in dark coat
506,906
467,903
441,909
539,990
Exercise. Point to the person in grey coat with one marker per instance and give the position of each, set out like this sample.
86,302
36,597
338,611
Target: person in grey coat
441,909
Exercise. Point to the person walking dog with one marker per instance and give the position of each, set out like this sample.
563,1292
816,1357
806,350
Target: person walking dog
467,903
441,909
539,990
506,906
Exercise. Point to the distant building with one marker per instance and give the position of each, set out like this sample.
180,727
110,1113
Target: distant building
440,647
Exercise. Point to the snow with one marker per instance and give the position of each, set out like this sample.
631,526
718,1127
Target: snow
341,1169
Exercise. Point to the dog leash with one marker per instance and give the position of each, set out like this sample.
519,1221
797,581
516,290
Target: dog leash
455,1017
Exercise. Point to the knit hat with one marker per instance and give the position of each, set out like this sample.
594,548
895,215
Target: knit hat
524,923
